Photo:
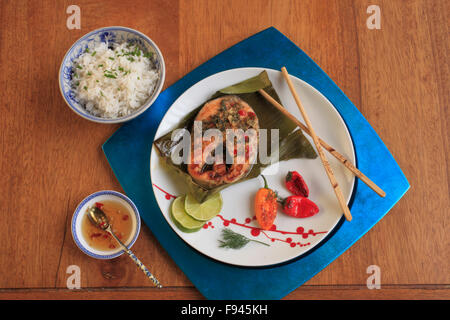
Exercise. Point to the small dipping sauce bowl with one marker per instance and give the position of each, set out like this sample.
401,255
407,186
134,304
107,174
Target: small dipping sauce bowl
80,215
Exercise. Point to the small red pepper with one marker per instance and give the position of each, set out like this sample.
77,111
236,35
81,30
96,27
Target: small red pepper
99,205
299,207
242,113
95,235
296,184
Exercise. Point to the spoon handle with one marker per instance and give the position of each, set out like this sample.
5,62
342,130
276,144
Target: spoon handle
138,262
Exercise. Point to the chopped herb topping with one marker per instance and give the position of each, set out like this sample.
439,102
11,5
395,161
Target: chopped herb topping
93,53
110,76
100,65
85,88
111,58
79,67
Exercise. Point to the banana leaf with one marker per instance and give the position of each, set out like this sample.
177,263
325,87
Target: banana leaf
292,142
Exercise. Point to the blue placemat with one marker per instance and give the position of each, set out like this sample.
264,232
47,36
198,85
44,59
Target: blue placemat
128,153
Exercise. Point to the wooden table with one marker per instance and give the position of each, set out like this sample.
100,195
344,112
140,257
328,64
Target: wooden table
398,77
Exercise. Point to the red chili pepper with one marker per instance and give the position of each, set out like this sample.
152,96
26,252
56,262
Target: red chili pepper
296,184
95,235
99,205
299,207
242,113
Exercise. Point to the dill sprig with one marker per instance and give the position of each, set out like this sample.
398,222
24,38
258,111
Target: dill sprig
235,240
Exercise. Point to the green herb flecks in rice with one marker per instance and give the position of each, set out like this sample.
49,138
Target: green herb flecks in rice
103,72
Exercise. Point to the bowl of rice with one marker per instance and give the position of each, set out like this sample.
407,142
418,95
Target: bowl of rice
112,75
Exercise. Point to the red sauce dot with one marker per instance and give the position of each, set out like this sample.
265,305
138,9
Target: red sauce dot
233,220
212,227
209,223
205,226
305,235
255,232
293,244
311,231
300,230
273,240
226,223
167,196
248,220
289,239
273,228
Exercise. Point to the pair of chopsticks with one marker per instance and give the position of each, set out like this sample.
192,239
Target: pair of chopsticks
319,143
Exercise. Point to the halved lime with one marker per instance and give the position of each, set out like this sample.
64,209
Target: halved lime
184,221
205,210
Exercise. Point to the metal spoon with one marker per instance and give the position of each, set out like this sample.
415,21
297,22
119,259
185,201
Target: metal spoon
100,220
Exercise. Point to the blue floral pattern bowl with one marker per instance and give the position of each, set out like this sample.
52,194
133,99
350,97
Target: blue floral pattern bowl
110,35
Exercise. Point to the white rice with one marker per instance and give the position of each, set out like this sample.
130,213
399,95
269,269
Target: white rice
113,83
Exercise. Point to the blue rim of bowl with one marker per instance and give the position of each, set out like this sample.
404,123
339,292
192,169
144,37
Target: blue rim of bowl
77,212
145,106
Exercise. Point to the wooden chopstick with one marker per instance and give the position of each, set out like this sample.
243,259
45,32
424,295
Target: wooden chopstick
325,145
326,164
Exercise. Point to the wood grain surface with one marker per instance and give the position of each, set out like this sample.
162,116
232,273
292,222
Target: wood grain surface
397,76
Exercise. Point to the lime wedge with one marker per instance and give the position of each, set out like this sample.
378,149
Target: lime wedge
205,210
184,221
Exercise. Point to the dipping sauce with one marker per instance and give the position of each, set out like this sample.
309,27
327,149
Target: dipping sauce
120,221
